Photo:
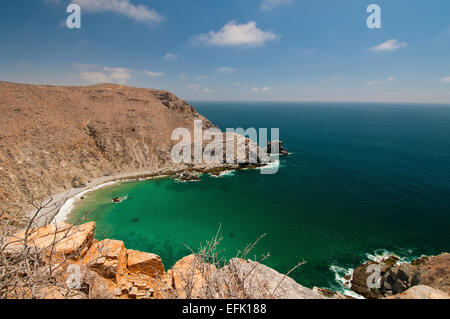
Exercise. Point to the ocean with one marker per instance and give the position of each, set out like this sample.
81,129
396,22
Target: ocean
361,180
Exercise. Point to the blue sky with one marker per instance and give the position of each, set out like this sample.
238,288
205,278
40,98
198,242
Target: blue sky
265,50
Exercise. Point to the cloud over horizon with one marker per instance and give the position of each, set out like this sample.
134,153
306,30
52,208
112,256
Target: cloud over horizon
389,46
225,70
95,74
376,82
154,74
233,34
170,56
267,5
139,13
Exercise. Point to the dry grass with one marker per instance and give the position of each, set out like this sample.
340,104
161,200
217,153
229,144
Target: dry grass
211,276
29,272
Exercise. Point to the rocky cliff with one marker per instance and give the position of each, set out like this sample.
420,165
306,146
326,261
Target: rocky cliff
86,268
69,263
426,276
55,138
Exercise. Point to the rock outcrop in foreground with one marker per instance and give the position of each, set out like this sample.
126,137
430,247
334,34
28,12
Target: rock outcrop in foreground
83,267
87,268
427,277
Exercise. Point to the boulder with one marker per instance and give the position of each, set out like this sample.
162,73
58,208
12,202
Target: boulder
144,263
144,276
188,176
99,287
58,241
188,278
250,279
399,278
361,275
107,258
77,182
273,145
421,292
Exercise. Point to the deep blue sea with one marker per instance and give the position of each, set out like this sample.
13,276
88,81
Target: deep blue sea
362,179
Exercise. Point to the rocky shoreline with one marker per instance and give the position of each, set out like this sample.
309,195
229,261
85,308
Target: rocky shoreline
108,270
393,279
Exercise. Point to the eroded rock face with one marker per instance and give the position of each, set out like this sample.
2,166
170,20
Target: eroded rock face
58,241
255,280
111,129
361,275
396,278
108,270
144,263
108,258
188,278
400,278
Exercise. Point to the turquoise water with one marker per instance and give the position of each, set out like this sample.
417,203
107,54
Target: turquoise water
362,178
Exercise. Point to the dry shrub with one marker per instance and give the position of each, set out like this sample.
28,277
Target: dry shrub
210,276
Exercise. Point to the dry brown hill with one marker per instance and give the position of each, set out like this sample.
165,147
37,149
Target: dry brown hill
52,137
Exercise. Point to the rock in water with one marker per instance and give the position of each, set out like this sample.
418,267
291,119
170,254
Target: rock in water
395,279
276,144
188,176
361,275
116,200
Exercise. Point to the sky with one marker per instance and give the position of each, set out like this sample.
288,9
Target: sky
235,50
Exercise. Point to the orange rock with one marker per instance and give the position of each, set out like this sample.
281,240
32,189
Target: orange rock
144,263
101,288
188,277
107,258
57,241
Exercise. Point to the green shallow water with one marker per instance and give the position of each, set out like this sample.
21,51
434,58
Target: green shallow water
361,179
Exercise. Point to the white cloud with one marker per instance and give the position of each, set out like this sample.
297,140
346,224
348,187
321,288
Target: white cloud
193,86
389,46
233,35
170,56
183,76
237,83
445,79
206,90
377,82
263,89
94,77
154,74
225,70
267,5
104,75
138,13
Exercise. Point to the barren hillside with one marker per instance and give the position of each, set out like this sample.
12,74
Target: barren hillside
53,138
